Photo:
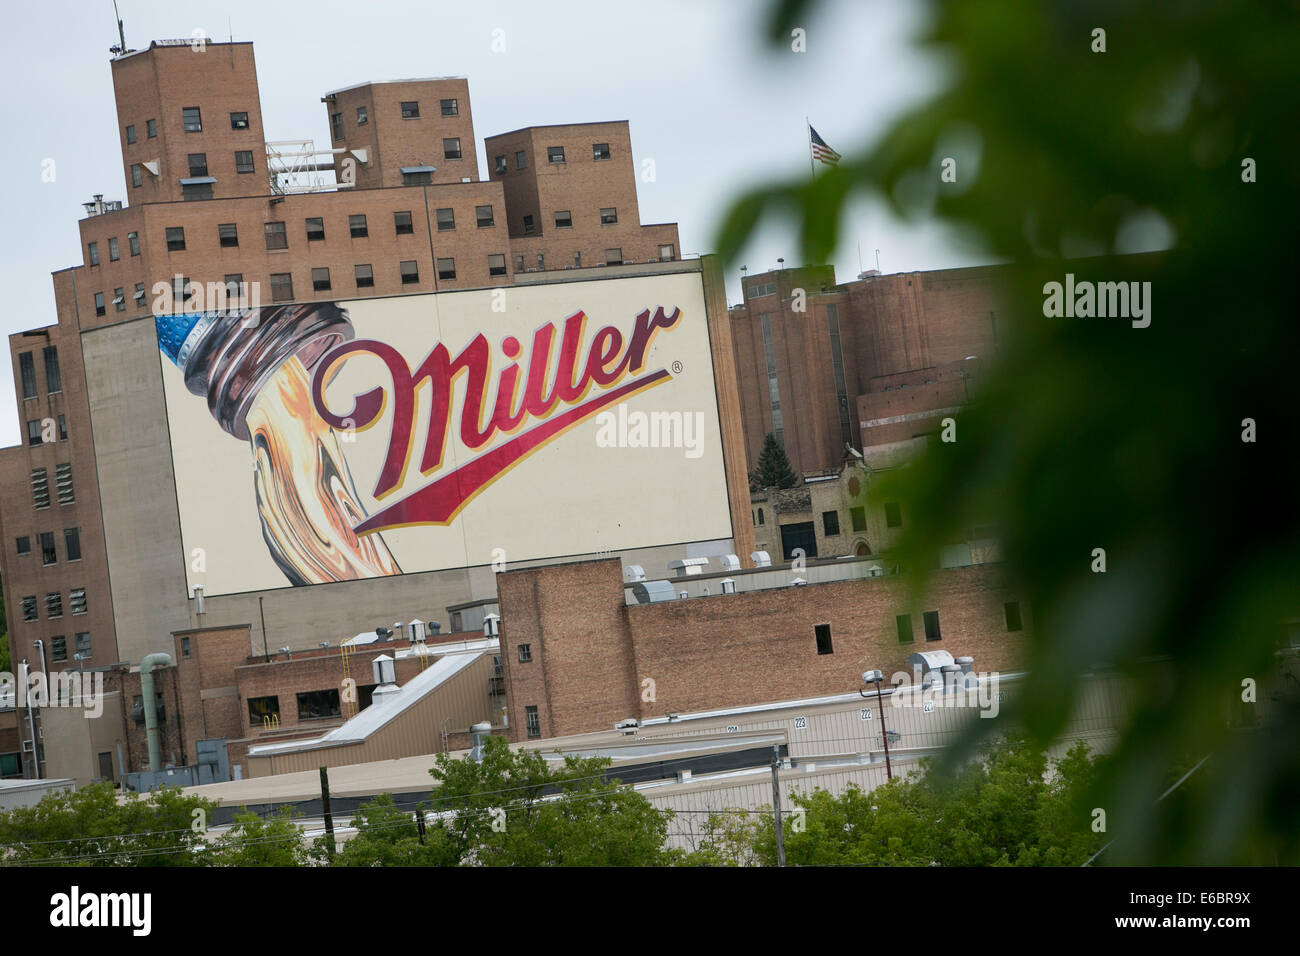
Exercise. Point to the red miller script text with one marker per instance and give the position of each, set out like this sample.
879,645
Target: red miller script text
570,379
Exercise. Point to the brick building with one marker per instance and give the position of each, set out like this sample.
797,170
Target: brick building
820,363
89,538
579,657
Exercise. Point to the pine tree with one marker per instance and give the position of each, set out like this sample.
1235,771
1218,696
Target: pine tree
774,469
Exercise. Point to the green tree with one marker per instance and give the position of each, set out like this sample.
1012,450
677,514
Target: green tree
254,841
389,836
515,809
95,826
774,470
1171,447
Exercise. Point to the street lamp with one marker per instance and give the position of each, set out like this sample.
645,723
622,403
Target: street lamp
876,677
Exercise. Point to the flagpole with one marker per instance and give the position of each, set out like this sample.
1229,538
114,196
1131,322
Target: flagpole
812,171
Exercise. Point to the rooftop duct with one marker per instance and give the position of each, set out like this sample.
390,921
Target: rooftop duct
761,559
648,592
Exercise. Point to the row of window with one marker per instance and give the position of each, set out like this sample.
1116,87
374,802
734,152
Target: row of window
71,545
38,433
930,621
27,368
92,249
63,483
858,516
59,648
554,154
564,219
410,109
198,164
191,122
312,705
54,604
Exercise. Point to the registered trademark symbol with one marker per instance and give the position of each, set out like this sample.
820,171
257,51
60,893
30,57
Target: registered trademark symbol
677,368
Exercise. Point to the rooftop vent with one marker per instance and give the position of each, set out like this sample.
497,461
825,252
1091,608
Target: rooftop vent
633,573
649,592
688,566
730,562
761,559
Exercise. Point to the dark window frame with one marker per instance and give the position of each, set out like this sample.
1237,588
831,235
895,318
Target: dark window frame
822,634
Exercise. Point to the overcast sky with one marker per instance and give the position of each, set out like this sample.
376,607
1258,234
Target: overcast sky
714,108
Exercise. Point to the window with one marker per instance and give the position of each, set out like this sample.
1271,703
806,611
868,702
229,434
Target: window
59,648
931,619
112,249
362,116
497,265
53,605
1012,612
77,600
48,554
320,280
357,227
243,161
130,134
119,299
133,240
823,634
28,368
519,263
532,721
181,290
563,219
761,289
72,543
484,216
263,710
151,128
449,107
34,432
446,268
410,110
904,622
24,544
198,164
63,482
192,119
667,253
40,488
92,254
281,286
555,154
139,295
276,236
528,225
893,515
63,428
501,164
446,219
577,260
239,121
315,229
402,223
608,216
99,303
541,262
600,150
410,271
521,160
29,608
613,257
185,647
234,285
228,234
83,643
830,523
365,276
175,238
196,191
336,125
859,518
316,704
424,178
451,148
137,175
525,653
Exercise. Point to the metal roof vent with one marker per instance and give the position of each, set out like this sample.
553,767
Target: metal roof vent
728,585
761,559
730,562
648,592
480,732
688,566
633,573
930,664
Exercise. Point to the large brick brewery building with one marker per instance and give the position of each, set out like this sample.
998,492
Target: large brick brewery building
102,565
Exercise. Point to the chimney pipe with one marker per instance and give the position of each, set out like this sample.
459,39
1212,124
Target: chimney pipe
151,707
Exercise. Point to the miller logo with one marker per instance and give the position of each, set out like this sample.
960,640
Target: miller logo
536,401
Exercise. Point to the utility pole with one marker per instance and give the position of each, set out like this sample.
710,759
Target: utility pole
419,824
776,805
325,807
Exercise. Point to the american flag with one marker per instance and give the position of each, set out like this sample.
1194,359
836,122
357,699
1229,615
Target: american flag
820,150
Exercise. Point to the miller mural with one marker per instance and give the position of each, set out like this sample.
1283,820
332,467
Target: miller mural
331,441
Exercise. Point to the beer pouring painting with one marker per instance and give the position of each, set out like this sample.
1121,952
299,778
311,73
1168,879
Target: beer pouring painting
377,437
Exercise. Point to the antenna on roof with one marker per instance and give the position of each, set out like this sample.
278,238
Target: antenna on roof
121,33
